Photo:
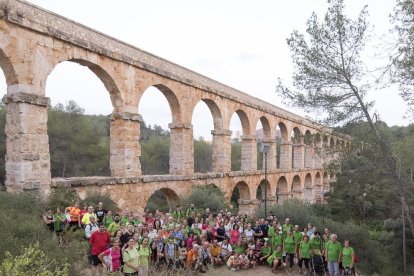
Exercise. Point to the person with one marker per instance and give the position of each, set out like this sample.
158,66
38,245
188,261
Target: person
244,260
234,234
221,232
144,257
100,213
265,252
113,261
192,256
74,212
190,210
304,247
115,225
258,233
157,249
91,227
238,247
276,240
333,255
287,226
297,235
233,262
86,217
275,260
316,244
99,241
170,252
215,252
204,258
59,221
151,231
128,234
83,211
264,224
348,255
252,257
249,232
178,214
225,250
108,219
49,220
182,253
289,247
130,256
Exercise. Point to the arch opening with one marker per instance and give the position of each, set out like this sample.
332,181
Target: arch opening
260,190
297,187
308,188
164,200
282,191
240,195
78,122
238,127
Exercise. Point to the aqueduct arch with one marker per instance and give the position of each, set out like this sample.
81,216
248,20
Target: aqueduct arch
126,72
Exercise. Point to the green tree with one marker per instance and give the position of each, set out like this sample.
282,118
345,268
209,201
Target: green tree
202,156
235,155
329,78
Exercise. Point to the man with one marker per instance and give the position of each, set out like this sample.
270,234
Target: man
225,250
206,214
215,252
333,254
204,258
88,231
99,241
100,212
297,236
258,233
115,225
264,225
178,214
74,212
151,231
249,232
190,211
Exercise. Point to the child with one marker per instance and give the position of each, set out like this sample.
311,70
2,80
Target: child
275,260
252,258
182,253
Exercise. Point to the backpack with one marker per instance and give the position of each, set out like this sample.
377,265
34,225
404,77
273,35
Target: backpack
356,258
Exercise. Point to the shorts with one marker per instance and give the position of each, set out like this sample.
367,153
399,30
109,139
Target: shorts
95,260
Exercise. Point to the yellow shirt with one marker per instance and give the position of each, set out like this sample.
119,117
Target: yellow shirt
215,251
86,220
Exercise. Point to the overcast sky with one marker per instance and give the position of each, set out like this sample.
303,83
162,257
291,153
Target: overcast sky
239,43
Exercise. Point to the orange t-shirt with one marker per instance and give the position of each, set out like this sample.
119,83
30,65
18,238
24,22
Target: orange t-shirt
74,213
191,256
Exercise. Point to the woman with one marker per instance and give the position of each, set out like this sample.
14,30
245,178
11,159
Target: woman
49,220
144,257
130,257
111,258
220,232
265,252
234,234
275,260
289,247
157,225
182,253
108,219
304,252
348,255
238,247
59,221
117,236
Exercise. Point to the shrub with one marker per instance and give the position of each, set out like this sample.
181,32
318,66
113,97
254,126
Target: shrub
33,261
93,198
206,197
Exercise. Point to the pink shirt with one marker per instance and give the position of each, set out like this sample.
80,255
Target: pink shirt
234,236
116,257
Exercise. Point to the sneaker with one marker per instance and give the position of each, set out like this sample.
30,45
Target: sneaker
233,269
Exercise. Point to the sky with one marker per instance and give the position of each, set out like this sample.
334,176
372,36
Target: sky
239,43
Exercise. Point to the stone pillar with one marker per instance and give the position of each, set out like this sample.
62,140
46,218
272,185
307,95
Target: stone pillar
298,156
286,155
27,141
181,149
309,156
271,156
125,147
246,206
221,150
249,153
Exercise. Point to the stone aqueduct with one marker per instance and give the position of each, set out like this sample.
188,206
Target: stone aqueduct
33,41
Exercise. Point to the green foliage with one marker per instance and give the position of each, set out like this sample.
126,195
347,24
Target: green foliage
21,214
155,150
203,197
34,262
202,156
157,201
235,155
79,144
93,198
372,256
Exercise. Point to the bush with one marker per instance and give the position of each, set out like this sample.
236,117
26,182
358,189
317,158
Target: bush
21,216
206,197
373,257
94,198
33,261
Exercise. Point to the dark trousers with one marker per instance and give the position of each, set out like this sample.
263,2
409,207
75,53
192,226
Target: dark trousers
291,256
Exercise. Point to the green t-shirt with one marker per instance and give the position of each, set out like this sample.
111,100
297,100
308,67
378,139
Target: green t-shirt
285,228
275,255
239,249
113,227
289,244
276,240
304,249
131,256
58,221
316,244
347,256
271,231
265,251
334,249
297,236
144,256
107,221
124,219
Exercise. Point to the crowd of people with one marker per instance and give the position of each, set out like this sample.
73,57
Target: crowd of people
199,240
